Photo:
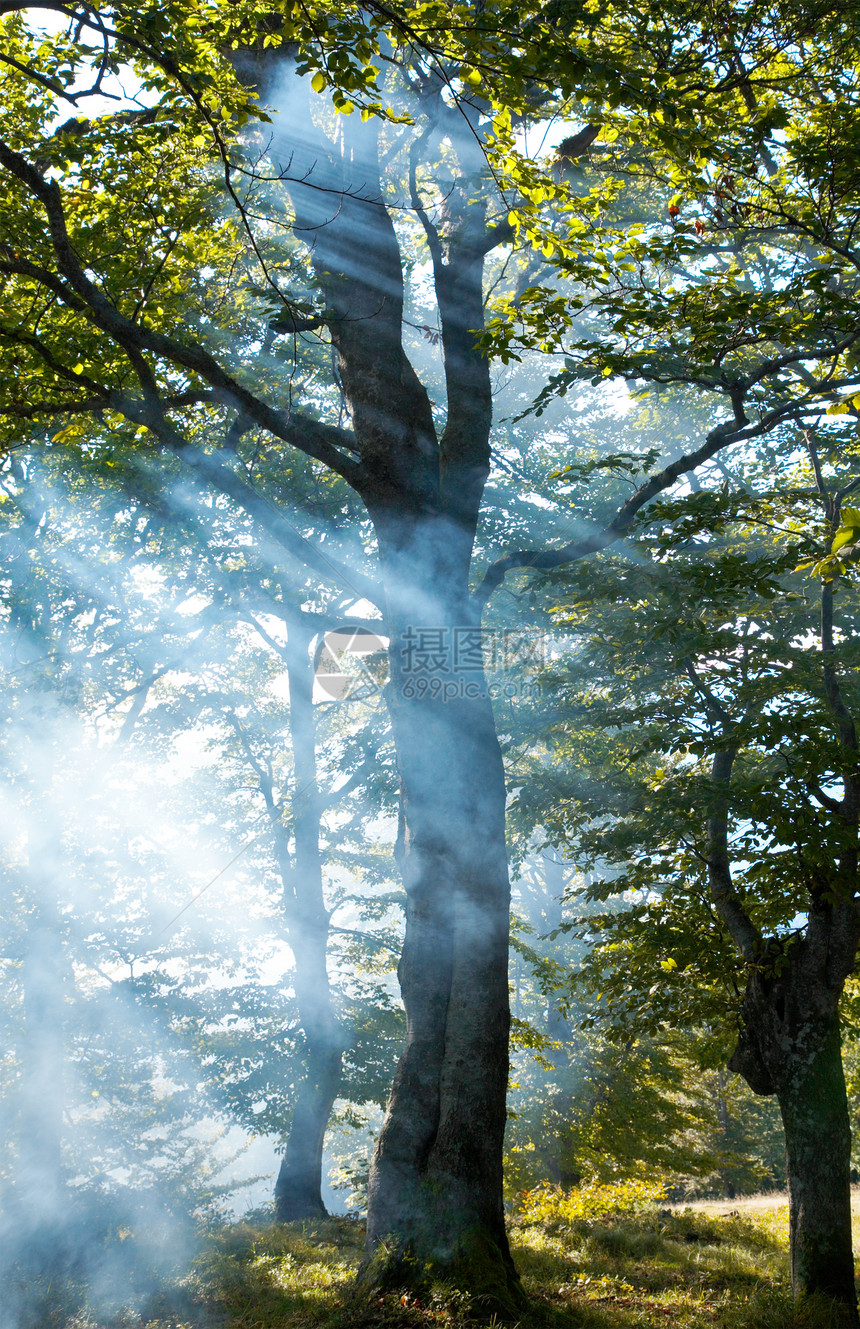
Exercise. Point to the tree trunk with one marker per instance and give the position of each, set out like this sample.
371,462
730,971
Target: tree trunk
814,1111
435,1196
790,1046
789,1042
298,1190
38,1232
435,1192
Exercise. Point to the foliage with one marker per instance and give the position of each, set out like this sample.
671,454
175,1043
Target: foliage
553,1206
176,351
165,1026
703,621
590,1100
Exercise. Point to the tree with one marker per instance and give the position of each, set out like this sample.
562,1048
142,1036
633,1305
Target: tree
271,748
717,727
755,275
598,1099
103,1113
174,334
101,639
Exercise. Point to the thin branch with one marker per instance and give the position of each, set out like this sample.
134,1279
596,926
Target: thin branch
720,437
712,703
817,472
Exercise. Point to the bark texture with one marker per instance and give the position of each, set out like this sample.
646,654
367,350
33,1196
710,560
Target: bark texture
818,1156
436,1183
790,1046
435,1195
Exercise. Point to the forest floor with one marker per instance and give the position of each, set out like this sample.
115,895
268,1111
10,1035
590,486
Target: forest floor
768,1202
764,1202
685,1267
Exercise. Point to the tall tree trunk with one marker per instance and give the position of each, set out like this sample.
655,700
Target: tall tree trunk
298,1190
44,985
435,1195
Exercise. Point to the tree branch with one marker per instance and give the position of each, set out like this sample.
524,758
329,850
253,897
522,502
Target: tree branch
319,441
720,437
712,704
358,777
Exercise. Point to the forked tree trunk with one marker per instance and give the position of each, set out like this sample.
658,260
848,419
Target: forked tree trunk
435,1193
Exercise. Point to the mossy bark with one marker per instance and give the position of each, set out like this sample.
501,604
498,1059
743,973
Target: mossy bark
790,1046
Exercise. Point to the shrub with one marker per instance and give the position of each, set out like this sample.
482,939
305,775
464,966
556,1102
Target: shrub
590,1203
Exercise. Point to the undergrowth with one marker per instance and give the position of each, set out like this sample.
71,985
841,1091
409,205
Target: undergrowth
636,1266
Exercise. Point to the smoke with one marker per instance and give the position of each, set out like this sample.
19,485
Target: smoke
148,991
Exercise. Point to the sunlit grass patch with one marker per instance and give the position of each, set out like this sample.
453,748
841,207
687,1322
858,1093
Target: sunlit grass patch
631,1270
596,1200
650,1266
293,1273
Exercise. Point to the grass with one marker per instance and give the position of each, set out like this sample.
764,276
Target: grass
693,1269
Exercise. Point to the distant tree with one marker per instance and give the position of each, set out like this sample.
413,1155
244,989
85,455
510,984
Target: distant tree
270,745
151,1024
104,1114
594,1098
